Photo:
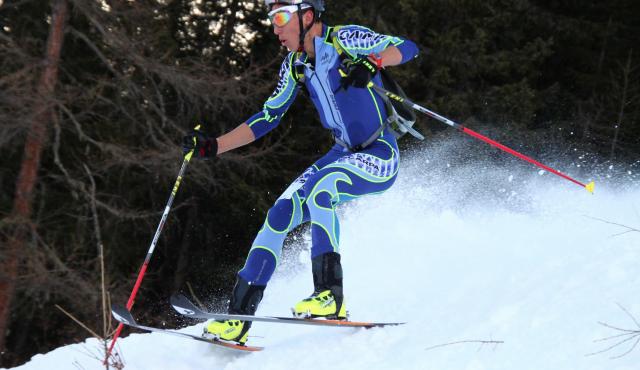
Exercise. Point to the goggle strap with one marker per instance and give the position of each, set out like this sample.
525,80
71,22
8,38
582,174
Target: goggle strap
289,8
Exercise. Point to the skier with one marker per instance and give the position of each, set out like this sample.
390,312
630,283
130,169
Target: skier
335,64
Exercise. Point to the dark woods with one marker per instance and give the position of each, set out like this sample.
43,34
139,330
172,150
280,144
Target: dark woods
96,95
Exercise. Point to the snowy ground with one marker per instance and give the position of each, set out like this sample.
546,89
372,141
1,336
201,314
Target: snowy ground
468,253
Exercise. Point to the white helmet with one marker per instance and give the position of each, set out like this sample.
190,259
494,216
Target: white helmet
318,5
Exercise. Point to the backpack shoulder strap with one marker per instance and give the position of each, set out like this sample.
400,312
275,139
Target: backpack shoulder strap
332,38
297,69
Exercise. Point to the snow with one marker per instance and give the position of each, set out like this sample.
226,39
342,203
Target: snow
469,252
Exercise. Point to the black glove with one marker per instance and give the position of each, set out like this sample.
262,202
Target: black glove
203,146
359,72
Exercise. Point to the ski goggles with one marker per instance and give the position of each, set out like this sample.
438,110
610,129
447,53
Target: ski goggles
281,16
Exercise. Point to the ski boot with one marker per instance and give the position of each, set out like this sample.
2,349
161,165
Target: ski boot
327,299
244,301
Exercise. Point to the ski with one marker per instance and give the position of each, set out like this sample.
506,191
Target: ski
185,307
123,315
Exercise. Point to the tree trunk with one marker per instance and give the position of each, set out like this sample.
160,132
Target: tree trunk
229,29
35,142
626,72
182,266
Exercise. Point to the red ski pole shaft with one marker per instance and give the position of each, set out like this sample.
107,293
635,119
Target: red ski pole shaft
143,269
380,90
521,156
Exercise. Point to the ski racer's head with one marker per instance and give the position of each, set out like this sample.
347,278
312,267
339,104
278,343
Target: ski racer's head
292,19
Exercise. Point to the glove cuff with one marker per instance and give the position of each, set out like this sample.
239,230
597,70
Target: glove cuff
209,149
377,60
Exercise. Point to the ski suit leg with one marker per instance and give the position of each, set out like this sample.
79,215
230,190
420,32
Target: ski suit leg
287,213
337,177
352,175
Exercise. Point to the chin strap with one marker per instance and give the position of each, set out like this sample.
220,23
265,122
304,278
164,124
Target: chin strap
303,31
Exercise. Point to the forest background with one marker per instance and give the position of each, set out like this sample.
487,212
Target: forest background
95,97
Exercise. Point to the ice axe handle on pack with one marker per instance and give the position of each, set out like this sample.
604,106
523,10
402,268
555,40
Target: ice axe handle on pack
382,91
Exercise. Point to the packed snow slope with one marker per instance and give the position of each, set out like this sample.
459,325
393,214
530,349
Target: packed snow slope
463,251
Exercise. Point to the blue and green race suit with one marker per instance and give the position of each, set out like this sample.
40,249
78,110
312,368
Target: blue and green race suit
353,115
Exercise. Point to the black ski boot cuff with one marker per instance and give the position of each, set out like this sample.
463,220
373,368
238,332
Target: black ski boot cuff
327,274
245,298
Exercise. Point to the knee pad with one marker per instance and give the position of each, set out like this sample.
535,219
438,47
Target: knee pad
280,216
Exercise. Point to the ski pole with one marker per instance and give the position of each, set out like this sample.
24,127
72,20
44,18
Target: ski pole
380,90
143,269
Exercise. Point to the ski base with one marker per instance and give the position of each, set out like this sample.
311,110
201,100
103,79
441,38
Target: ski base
185,307
123,315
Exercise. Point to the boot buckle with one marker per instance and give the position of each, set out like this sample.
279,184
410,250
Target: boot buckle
301,315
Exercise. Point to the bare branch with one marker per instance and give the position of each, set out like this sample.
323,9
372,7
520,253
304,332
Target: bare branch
93,333
195,297
629,228
629,314
630,338
481,342
616,328
628,335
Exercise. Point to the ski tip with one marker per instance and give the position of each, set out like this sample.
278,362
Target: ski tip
122,314
590,187
182,304
176,299
180,300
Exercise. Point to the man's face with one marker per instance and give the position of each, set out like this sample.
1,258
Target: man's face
288,34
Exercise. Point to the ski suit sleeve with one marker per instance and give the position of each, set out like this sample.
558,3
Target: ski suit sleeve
278,103
358,40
